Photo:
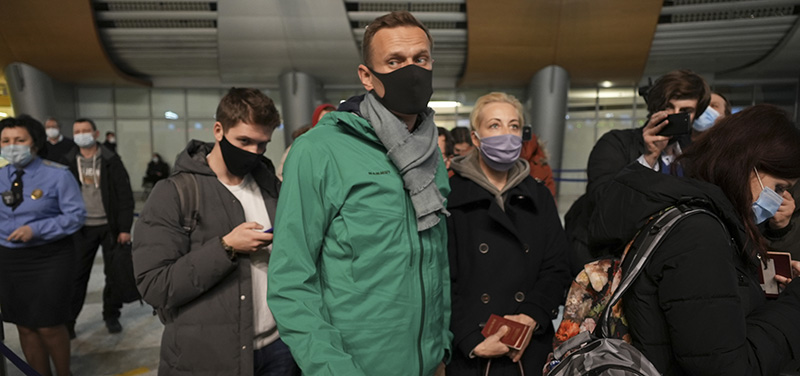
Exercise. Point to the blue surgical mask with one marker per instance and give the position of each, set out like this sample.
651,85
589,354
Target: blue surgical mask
706,120
17,155
767,203
84,140
500,152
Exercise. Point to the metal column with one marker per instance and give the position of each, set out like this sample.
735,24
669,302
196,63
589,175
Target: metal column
32,91
547,106
297,101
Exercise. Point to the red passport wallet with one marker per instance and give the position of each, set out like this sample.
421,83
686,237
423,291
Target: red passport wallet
778,263
516,335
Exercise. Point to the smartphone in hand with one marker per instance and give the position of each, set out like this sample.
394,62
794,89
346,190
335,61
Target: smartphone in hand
678,124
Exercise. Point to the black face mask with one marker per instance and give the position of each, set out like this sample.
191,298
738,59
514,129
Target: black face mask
407,90
239,162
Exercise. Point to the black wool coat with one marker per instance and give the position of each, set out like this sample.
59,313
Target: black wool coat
505,263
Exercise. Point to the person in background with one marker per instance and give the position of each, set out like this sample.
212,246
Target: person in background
57,145
698,307
676,91
111,141
297,133
463,141
534,152
157,169
718,108
209,284
42,207
106,190
358,277
320,111
446,144
508,251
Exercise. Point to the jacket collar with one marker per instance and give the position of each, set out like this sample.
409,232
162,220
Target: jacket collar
193,159
466,192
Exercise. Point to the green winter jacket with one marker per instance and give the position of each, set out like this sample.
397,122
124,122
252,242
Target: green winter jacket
354,288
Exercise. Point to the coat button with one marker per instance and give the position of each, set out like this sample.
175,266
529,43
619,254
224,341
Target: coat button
483,248
242,297
485,298
520,197
244,347
526,248
519,296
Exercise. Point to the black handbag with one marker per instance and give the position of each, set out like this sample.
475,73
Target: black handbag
124,280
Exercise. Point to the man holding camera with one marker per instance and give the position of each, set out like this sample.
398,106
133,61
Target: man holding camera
680,91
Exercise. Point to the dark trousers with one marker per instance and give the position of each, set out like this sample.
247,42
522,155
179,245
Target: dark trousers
274,360
87,240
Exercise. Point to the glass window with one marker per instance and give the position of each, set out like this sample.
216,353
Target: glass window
133,146
169,104
201,130
95,103
202,104
169,138
132,102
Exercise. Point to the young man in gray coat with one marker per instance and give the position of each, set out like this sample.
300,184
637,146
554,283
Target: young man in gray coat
209,283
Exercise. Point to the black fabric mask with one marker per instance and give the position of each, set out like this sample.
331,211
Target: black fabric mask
239,162
407,90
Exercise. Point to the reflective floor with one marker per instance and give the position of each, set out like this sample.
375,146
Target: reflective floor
95,352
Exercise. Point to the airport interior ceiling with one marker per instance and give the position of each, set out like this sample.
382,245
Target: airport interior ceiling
477,43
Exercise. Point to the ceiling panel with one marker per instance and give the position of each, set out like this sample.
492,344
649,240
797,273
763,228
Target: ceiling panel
727,39
59,38
592,40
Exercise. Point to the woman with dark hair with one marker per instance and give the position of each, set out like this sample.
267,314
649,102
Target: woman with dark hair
42,207
698,308
506,245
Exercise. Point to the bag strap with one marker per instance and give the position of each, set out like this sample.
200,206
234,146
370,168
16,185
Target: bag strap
189,196
648,239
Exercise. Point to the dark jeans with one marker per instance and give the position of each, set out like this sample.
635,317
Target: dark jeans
274,360
87,240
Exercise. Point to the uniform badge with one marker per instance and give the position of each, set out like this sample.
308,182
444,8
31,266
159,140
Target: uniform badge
36,194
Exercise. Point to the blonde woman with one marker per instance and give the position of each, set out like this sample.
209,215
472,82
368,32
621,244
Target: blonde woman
507,247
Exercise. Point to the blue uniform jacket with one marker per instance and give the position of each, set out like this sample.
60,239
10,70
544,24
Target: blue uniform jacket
56,212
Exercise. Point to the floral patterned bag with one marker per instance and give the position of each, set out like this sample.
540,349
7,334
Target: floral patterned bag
594,302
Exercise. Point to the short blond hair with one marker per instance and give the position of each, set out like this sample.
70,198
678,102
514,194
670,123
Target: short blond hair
494,97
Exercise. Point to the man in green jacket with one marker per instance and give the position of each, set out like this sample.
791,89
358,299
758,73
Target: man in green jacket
359,278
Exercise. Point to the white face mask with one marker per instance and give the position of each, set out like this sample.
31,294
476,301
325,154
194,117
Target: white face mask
17,155
84,140
767,204
52,132
706,120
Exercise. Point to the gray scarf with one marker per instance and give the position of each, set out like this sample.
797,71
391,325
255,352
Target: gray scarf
416,155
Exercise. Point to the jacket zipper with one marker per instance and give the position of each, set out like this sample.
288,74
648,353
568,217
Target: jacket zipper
422,316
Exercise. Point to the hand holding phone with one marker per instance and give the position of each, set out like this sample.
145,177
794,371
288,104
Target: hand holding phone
678,124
